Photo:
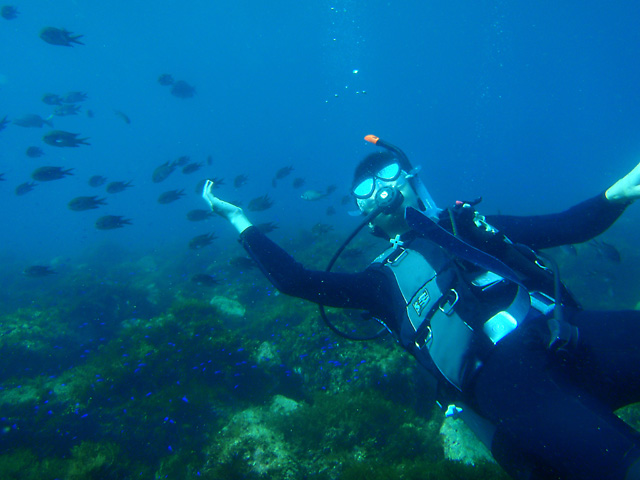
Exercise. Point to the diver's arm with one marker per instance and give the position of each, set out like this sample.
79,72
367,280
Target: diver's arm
575,225
365,290
234,214
627,189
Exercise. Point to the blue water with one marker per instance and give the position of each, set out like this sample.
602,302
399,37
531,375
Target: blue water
532,106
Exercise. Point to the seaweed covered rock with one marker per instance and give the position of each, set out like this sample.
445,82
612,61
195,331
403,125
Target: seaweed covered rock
249,443
291,439
461,444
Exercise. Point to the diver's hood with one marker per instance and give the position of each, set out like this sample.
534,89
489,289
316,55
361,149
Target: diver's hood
427,205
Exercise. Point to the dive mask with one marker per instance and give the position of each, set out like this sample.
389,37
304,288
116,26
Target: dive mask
365,188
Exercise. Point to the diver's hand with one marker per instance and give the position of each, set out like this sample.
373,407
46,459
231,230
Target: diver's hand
627,189
234,214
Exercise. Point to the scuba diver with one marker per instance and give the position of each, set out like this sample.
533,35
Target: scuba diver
477,304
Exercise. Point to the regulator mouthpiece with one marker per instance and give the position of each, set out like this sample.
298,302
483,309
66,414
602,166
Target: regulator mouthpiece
388,199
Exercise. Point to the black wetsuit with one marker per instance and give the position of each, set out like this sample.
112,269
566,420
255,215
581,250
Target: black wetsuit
554,411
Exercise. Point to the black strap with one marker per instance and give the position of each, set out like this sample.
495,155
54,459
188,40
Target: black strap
458,247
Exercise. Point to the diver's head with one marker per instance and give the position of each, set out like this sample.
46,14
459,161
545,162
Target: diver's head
380,181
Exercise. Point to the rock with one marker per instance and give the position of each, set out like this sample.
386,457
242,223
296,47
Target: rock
461,444
228,306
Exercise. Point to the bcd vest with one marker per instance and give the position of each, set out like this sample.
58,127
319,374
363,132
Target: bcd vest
453,313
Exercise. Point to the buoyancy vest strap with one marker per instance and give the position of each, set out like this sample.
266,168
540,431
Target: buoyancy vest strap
458,247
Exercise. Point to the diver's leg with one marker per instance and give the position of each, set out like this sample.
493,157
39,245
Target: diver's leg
564,432
608,356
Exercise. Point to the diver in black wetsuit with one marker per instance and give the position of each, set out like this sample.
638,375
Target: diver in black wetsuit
471,298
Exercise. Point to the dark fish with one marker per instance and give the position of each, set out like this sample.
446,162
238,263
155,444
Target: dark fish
201,241
66,110
259,204
34,152
117,187
170,196
243,263
209,160
75,97
181,161
281,173
199,215
90,113
3,123
606,251
240,180
182,89
52,99
161,173
111,222
165,79
346,199
97,181
9,12
60,138
2,179
191,168
267,227
38,271
123,116
47,174
204,280
331,189
59,36
31,120
80,204
216,184
321,229
297,182
25,188
331,210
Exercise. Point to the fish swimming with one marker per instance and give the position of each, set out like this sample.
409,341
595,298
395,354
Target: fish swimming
201,241
191,168
34,152
74,97
125,118
111,222
9,12
60,138
199,215
38,271
25,188
260,204
60,36
80,204
117,187
48,174
97,181
182,89
161,173
170,196
204,280
31,120
313,195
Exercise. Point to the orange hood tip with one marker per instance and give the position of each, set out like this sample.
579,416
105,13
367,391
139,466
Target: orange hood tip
371,139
